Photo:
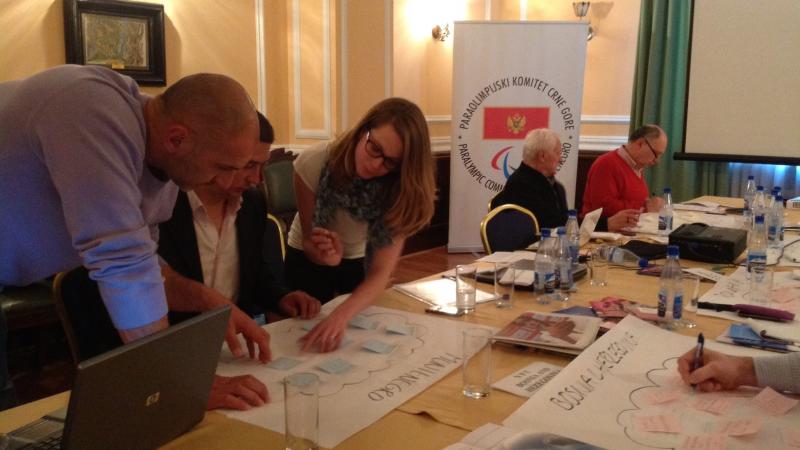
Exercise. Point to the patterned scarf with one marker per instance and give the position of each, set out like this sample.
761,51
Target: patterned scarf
364,200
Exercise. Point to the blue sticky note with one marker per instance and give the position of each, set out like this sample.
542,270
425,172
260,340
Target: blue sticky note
362,322
400,329
377,346
283,363
335,366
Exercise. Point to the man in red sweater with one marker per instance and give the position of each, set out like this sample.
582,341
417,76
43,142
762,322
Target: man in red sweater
615,180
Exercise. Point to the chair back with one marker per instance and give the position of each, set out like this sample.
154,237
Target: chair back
278,175
83,315
507,228
276,235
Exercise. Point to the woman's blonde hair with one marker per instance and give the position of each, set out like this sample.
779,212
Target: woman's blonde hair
412,189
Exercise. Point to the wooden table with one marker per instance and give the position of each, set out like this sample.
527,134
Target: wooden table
440,415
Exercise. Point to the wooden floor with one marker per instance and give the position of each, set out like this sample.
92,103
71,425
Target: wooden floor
33,383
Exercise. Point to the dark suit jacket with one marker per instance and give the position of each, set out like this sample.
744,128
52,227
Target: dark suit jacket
261,283
530,189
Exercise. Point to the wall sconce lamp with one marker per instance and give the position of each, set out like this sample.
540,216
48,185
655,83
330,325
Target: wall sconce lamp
440,33
581,9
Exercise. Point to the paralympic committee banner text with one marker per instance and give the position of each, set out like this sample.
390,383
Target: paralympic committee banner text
509,78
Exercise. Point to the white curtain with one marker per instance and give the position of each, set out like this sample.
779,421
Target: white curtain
767,175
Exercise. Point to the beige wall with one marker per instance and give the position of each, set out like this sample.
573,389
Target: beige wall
376,48
201,36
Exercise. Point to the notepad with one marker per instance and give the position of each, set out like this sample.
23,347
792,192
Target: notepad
283,363
335,366
400,329
363,323
377,346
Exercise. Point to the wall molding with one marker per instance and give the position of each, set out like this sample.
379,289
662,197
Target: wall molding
437,119
605,119
344,59
587,119
600,143
299,131
261,67
388,48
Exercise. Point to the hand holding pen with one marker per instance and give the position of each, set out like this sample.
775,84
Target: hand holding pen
713,371
697,362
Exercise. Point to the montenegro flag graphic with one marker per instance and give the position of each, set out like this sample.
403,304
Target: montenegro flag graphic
514,122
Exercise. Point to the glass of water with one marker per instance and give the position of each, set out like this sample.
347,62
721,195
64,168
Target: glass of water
465,287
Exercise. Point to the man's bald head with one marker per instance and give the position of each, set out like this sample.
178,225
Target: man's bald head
201,130
214,106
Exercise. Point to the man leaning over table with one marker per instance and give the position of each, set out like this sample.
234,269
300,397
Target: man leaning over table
534,187
89,166
615,181
216,237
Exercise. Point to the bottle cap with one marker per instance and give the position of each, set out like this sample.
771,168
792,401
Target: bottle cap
561,231
759,188
778,197
572,213
760,218
643,263
667,190
673,250
751,177
546,231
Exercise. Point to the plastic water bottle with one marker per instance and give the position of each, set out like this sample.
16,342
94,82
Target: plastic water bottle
563,264
624,257
760,277
775,228
665,214
544,269
670,295
759,203
757,245
749,194
573,235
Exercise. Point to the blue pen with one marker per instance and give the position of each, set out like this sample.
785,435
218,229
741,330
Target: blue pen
698,355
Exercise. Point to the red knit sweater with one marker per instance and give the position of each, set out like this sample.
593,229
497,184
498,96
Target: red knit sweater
614,186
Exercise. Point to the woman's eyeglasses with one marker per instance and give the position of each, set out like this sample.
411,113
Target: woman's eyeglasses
374,150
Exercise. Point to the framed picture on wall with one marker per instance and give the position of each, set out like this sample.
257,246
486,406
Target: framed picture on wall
125,36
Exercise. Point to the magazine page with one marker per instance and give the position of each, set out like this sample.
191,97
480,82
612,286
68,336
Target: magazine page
551,330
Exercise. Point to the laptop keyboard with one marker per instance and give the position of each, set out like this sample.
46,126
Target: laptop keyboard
52,442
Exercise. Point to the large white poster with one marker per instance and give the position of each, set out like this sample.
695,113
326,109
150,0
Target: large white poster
624,392
509,78
387,356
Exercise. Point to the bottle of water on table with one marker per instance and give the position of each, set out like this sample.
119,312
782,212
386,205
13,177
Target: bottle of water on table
670,294
544,268
760,276
573,235
776,227
665,214
563,262
749,194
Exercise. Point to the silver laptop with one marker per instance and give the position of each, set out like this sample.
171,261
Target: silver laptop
138,396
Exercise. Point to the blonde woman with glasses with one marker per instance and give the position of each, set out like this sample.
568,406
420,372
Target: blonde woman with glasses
358,198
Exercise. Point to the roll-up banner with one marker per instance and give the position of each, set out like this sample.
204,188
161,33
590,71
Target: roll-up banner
509,78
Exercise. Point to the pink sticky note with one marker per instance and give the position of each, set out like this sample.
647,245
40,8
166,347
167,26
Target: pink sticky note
703,442
791,437
718,406
741,427
663,396
660,423
784,294
773,402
